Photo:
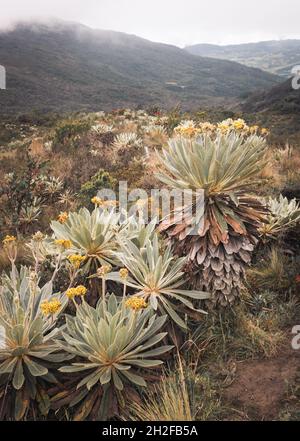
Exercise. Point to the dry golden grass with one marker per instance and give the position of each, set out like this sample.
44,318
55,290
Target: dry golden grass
63,164
287,165
37,148
166,401
259,336
282,169
155,140
9,154
129,127
22,257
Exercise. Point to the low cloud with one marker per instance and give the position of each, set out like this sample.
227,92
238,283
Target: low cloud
169,21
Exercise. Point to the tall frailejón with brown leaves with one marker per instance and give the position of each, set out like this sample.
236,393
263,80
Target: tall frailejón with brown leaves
225,162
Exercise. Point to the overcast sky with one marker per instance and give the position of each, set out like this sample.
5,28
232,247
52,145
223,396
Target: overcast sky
178,22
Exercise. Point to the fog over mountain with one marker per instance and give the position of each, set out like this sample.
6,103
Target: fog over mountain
171,21
69,66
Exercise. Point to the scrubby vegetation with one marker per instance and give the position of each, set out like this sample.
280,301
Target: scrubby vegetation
106,316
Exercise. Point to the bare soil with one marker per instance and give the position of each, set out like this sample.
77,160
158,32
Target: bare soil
260,387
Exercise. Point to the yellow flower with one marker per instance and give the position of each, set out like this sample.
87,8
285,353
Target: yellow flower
97,201
207,127
104,269
136,303
188,132
8,239
76,260
224,126
264,132
50,306
80,290
229,125
123,273
253,129
71,293
63,216
64,243
239,124
187,129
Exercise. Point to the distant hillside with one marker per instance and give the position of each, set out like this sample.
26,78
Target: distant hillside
281,98
278,57
68,67
279,110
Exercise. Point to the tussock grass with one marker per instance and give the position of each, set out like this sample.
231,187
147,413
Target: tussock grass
271,273
181,395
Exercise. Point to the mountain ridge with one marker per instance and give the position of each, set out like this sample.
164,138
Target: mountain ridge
275,56
70,67
281,99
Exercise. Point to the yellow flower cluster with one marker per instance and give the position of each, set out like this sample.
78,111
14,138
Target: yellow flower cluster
64,243
229,125
188,129
8,239
123,273
254,129
63,217
136,303
239,125
103,270
76,260
79,291
50,306
206,127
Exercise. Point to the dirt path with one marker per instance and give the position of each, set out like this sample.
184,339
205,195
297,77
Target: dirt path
260,386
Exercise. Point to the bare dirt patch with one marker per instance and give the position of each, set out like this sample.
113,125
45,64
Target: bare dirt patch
260,386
